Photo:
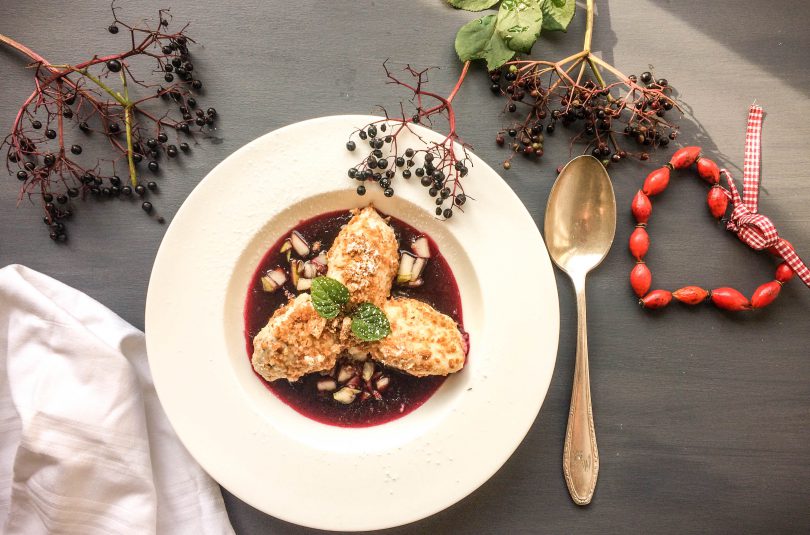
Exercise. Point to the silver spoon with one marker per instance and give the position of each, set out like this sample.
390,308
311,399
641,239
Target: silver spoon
579,228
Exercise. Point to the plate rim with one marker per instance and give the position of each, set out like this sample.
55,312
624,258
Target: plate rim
184,212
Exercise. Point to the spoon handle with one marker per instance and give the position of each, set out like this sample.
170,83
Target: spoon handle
580,456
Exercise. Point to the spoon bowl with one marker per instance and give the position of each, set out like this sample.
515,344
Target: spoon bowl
579,229
580,216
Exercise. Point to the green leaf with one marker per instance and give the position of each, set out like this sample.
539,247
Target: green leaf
369,323
479,40
557,14
472,5
519,23
328,296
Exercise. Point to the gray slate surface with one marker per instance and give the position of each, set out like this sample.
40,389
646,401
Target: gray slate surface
702,417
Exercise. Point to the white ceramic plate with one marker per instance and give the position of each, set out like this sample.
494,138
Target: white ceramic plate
292,467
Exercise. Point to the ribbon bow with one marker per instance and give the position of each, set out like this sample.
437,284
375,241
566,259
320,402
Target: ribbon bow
754,229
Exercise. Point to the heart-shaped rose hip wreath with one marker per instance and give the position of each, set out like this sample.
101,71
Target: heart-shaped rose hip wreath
754,229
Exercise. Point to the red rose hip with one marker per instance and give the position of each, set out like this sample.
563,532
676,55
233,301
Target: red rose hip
708,170
639,243
765,294
730,299
684,157
641,207
717,201
656,299
656,182
641,279
691,295
783,272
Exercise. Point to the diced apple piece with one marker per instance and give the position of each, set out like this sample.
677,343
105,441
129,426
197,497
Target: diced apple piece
406,262
294,271
345,395
303,284
278,276
299,244
326,385
368,370
308,270
320,262
382,383
421,247
418,266
346,373
268,284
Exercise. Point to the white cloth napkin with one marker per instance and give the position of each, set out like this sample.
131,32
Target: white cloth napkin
85,446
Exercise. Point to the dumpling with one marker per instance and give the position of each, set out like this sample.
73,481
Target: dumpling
423,341
296,341
365,258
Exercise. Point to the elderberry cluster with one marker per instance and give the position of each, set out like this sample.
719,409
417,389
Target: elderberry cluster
603,117
439,171
103,97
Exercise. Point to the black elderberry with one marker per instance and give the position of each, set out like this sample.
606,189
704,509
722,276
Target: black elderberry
389,139
184,147
61,199
171,151
136,157
646,77
147,207
420,171
426,181
400,161
409,153
662,82
512,107
495,87
176,62
200,121
168,68
448,213
126,190
384,183
361,190
438,210
30,166
73,192
49,159
377,153
140,190
151,186
50,133
36,125
167,49
114,65
363,135
183,127
196,84
512,132
153,166
372,131
382,163
350,145
460,199
372,163
112,28
388,192
433,192
21,175
352,172
169,77
445,193
390,173
151,143
406,174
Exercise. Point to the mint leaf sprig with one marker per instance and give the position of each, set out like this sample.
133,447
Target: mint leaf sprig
329,298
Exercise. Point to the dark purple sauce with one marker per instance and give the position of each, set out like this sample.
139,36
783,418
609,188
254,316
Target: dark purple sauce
405,392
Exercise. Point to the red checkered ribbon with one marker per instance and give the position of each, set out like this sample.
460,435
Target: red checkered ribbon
756,230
